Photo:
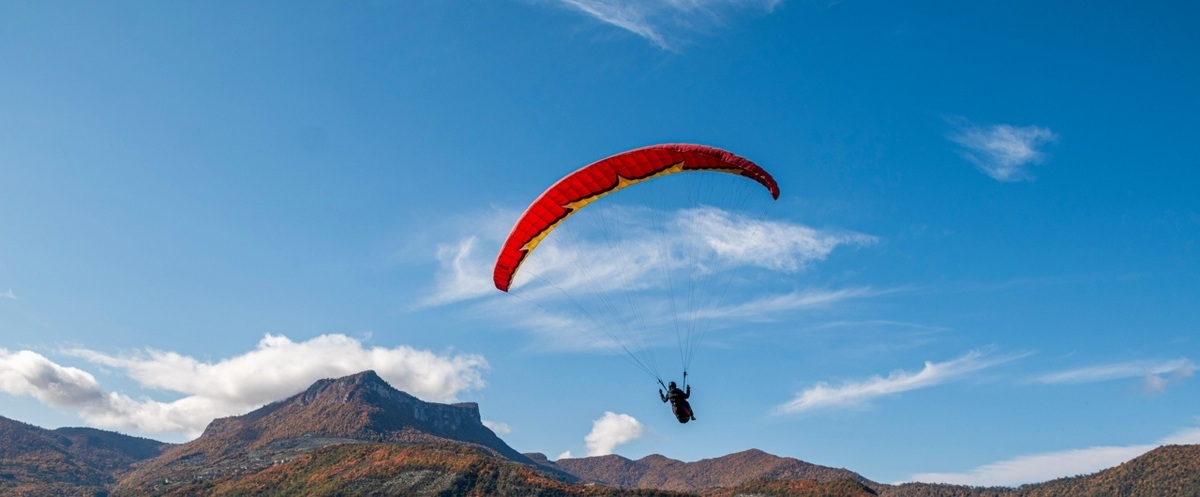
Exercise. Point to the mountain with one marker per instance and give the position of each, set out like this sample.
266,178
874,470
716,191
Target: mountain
1172,470
35,461
356,409
794,488
1167,471
657,471
359,436
373,469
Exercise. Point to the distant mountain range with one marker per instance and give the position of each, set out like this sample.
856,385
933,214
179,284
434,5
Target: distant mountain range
660,472
357,435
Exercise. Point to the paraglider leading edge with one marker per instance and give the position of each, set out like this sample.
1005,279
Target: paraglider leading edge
600,178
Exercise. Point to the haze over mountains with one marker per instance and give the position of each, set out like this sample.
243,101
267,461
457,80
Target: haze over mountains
357,435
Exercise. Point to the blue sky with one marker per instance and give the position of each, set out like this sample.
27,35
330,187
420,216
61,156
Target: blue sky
982,268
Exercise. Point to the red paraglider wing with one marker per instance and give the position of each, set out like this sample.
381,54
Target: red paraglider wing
600,178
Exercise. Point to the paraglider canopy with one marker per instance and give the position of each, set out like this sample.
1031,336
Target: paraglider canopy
600,178
606,297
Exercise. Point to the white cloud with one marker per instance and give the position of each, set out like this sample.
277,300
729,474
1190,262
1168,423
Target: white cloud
849,394
463,274
875,323
565,455
1052,465
702,242
1186,436
553,331
610,431
641,325
1039,467
667,23
1003,151
8,295
29,373
740,240
561,266
765,306
276,369
620,275
498,427
1154,384
1156,375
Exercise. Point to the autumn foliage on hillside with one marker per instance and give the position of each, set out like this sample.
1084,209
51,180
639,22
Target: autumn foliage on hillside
795,488
1168,471
656,471
386,469
35,461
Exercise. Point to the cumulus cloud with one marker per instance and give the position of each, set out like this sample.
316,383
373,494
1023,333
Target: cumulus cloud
609,431
498,427
667,23
278,367
1047,466
1156,376
857,393
28,373
1003,151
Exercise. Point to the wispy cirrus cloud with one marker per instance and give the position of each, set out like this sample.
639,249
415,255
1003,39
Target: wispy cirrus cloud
669,23
779,246
768,306
1050,465
636,328
702,241
1003,151
858,393
1039,467
880,323
656,267
276,368
463,274
1156,375
8,295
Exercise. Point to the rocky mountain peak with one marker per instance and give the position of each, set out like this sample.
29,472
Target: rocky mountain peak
347,386
361,407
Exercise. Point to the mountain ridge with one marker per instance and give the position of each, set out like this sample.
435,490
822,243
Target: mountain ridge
359,408
357,435
66,461
658,471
